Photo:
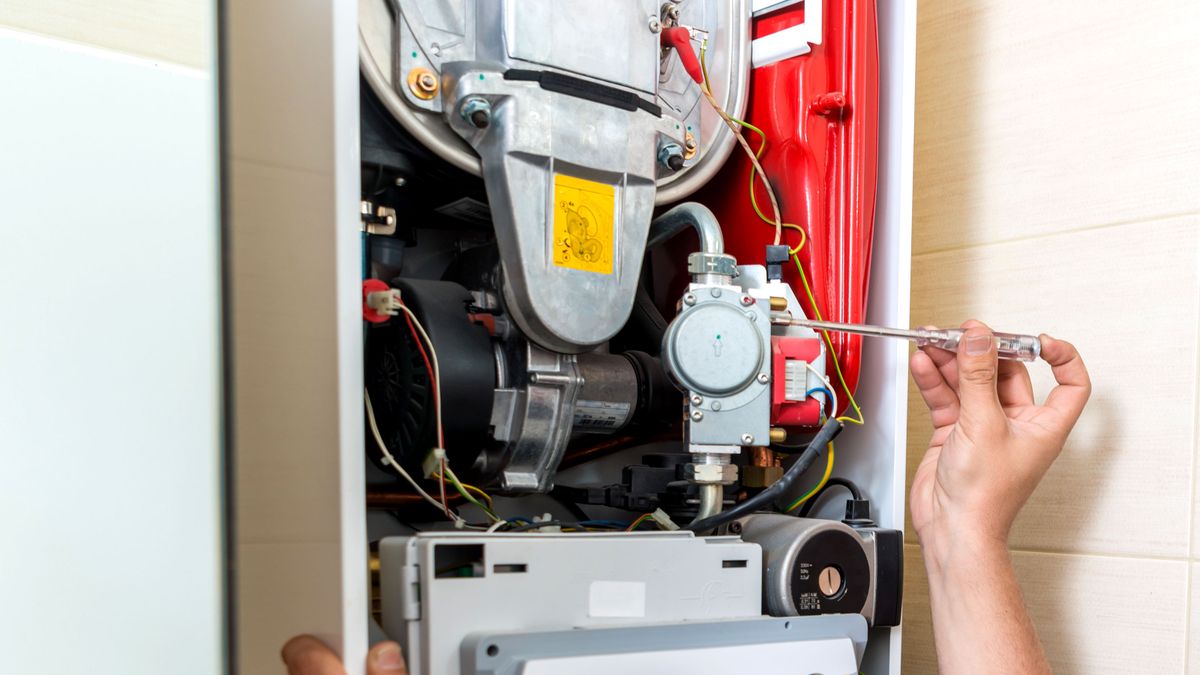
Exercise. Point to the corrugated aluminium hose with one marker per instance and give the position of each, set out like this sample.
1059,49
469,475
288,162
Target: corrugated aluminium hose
827,433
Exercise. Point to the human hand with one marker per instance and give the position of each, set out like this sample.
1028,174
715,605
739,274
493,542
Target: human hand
991,442
306,655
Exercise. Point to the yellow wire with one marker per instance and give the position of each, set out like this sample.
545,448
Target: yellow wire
794,251
837,367
817,488
463,488
762,147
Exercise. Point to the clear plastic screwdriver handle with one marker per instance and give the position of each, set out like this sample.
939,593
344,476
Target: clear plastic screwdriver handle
1008,345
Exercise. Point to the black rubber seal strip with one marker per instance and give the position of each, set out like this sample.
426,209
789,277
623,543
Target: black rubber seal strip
584,89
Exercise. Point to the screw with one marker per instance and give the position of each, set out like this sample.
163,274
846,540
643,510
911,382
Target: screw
655,26
716,405
735,527
689,299
670,156
763,378
689,146
401,181
697,415
747,439
422,83
478,111
533,378
715,292
747,300
697,399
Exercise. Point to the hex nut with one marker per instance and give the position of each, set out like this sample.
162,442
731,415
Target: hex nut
422,83
721,474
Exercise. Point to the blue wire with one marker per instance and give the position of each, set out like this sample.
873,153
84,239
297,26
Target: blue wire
821,390
610,523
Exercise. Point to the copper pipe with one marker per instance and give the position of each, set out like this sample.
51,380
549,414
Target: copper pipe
760,456
377,499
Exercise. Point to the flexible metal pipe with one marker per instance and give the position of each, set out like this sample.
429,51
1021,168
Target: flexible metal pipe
711,498
688,214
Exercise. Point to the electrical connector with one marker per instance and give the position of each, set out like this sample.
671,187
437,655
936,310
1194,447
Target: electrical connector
664,521
380,301
777,257
433,462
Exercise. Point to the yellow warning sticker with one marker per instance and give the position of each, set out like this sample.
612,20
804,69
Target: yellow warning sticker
583,224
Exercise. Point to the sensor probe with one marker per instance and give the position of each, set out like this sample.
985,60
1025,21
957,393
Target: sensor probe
1009,346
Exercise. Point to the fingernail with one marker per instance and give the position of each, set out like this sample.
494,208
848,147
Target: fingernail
978,344
389,658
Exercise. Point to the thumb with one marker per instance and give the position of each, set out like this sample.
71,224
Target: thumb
977,368
385,659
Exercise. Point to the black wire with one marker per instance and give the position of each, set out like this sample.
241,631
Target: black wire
563,497
762,499
545,523
832,482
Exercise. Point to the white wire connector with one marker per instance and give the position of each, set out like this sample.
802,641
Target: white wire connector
545,518
433,462
664,521
385,302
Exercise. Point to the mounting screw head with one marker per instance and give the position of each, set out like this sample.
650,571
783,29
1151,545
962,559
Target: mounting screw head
689,299
654,24
763,378
747,439
697,399
422,83
735,527
401,181
697,415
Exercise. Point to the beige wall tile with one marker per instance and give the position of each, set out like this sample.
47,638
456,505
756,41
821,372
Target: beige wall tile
1034,118
276,344
180,31
276,571
1128,297
1193,637
1093,614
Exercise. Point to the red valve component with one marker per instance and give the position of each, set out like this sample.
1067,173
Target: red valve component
370,286
820,112
790,405
680,39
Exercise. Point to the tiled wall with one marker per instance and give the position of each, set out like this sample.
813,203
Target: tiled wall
1057,189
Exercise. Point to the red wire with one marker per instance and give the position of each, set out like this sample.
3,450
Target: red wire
429,369
437,402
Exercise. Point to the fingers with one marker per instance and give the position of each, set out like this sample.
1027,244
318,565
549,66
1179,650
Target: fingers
306,655
384,658
938,396
1015,388
1074,384
977,375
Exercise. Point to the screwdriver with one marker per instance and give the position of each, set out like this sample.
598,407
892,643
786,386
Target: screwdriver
1009,346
